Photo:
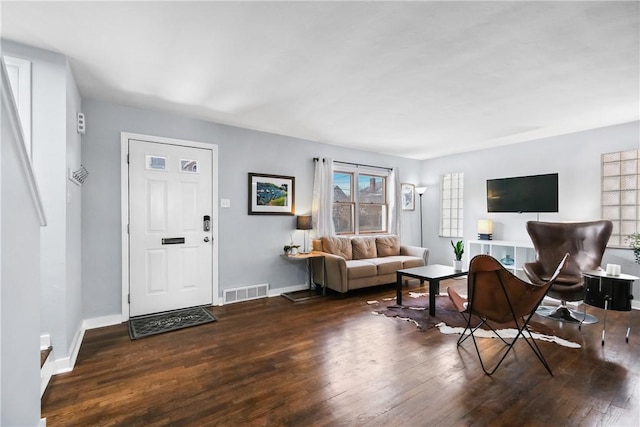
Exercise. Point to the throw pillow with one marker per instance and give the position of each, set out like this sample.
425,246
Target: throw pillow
340,246
363,247
388,245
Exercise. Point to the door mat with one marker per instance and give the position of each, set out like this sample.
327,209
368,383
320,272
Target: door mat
144,326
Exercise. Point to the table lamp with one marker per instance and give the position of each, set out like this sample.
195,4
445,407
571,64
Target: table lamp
303,222
485,229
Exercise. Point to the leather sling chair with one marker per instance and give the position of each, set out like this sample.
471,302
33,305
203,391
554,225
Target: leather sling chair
497,295
585,242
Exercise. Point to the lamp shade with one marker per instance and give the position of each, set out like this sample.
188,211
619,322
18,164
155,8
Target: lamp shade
421,190
303,222
485,229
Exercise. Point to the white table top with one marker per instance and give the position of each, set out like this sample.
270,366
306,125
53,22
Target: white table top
603,273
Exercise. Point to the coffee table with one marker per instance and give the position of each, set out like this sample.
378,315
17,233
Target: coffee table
433,274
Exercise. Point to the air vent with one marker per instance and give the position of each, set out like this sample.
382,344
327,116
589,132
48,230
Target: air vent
245,293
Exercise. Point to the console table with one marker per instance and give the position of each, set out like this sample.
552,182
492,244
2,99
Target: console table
311,292
608,292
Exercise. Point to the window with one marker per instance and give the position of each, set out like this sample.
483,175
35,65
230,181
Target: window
621,194
19,73
451,204
364,193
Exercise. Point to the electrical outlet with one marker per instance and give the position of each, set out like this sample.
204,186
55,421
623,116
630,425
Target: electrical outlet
225,203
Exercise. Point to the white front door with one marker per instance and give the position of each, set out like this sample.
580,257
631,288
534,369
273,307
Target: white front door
170,247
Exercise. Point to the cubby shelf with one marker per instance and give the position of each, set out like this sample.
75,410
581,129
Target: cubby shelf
519,252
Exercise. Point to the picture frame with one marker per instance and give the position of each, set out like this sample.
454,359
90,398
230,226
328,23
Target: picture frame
408,195
271,194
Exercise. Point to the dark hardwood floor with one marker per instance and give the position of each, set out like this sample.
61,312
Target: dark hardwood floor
331,362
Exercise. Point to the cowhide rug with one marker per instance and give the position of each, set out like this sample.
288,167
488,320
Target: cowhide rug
449,321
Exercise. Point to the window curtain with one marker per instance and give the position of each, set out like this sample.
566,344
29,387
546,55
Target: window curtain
322,203
395,207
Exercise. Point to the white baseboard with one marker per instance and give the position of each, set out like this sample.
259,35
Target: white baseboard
100,322
45,341
45,375
66,364
279,291
59,366
43,422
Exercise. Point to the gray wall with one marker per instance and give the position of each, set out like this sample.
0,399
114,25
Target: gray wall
249,246
73,293
575,157
55,147
20,285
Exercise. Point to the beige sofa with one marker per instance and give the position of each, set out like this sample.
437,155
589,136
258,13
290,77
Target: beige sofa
353,262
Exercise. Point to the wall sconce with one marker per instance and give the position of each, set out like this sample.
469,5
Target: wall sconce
485,229
420,191
303,222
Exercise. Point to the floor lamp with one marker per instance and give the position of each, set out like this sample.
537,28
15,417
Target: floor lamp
420,191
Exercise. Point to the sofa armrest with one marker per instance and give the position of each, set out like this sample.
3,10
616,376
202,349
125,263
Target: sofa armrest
335,272
415,251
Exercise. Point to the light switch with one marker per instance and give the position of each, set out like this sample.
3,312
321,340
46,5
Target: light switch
225,203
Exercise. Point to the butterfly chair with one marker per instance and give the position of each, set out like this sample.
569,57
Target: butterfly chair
585,242
496,295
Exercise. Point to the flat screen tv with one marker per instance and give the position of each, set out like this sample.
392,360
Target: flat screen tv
536,193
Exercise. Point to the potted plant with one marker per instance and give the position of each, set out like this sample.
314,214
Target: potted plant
291,249
458,250
634,242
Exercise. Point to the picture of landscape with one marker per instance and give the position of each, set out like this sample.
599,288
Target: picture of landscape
271,194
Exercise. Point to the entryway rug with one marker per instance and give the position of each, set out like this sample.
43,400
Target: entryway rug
153,324
449,321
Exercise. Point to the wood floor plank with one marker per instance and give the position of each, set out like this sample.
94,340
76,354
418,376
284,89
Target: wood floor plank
332,361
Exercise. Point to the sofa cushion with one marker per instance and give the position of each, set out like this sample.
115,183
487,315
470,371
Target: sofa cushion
340,246
386,265
408,261
363,247
388,245
357,269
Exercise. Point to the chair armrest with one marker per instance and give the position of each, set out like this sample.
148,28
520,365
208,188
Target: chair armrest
415,251
335,271
534,272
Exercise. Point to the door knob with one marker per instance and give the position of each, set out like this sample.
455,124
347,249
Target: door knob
206,239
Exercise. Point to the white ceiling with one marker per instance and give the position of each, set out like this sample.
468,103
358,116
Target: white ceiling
413,79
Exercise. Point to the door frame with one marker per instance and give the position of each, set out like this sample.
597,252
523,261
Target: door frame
124,211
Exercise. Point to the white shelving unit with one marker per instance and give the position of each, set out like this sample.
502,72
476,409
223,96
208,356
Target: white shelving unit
519,252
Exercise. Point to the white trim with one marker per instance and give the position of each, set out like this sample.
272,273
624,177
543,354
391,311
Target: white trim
66,364
9,106
45,375
279,291
124,213
23,97
43,422
45,341
101,322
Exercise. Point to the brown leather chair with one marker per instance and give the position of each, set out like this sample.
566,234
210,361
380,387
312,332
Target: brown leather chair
496,295
585,242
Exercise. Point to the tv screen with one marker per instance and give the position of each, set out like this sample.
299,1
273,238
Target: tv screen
536,193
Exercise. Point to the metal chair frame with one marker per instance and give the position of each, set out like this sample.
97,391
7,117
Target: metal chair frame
521,321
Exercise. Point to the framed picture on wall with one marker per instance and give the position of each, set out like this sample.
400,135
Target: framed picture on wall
271,194
408,192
